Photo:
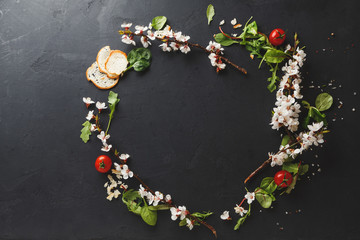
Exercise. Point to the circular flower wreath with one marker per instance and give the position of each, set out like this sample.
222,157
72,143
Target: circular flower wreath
146,201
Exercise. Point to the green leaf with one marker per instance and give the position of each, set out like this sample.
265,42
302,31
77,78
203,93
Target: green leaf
182,222
141,65
285,140
291,167
239,223
149,216
263,198
113,98
223,40
203,215
158,22
144,53
133,56
274,56
303,169
210,12
305,104
86,131
159,207
268,185
272,85
291,186
316,115
132,200
323,101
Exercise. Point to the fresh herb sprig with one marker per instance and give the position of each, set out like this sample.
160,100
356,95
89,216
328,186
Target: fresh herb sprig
259,46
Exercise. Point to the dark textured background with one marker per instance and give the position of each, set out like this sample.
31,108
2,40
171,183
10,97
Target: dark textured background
191,132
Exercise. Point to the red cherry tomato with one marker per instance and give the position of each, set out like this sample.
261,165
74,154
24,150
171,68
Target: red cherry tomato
103,163
283,178
277,37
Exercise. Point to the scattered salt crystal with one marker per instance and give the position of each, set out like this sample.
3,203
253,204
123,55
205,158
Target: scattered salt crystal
319,170
233,22
286,212
234,34
342,118
299,210
330,84
316,156
313,174
260,210
277,224
318,165
323,49
312,164
311,86
222,22
354,93
353,109
333,87
334,119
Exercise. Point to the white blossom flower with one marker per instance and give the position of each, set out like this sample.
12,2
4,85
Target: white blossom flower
168,198
150,26
142,191
189,223
316,126
240,210
250,197
233,22
145,41
164,46
214,46
151,35
88,101
93,128
185,49
175,46
178,212
225,215
277,159
127,40
222,22
100,106
300,56
140,29
106,147
90,115
103,137
125,172
126,25
157,198
124,156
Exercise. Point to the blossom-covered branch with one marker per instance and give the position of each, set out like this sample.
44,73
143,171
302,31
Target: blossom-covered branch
175,41
153,200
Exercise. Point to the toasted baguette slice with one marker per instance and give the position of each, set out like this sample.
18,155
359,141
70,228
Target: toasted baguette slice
102,55
99,79
116,63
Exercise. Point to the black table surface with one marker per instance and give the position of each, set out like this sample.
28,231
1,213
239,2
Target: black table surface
191,132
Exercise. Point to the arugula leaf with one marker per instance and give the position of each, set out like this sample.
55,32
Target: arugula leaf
210,12
265,199
149,216
315,114
86,131
223,40
323,101
158,22
268,185
113,100
203,215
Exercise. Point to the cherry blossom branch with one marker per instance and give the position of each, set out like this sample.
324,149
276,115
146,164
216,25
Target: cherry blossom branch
211,228
167,39
269,161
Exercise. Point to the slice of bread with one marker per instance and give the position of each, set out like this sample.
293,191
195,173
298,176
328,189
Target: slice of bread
101,58
99,79
116,63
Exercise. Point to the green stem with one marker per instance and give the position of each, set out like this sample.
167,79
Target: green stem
108,126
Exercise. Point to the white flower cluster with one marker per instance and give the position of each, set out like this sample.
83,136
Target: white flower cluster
181,212
306,139
153,199
249,196
111,185
215,60
286,112
172,41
